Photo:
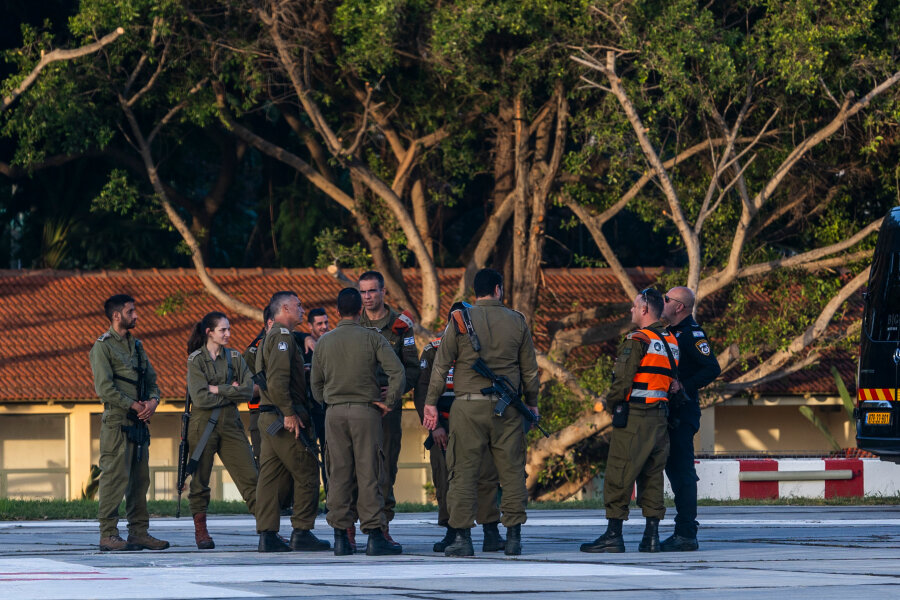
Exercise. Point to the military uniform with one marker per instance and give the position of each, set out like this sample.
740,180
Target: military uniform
228,439
399,335
282,457
115,361
507,348
488,509
250,355
354,453
637,452
697,368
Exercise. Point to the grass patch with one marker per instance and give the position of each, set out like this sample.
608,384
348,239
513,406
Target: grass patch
40,510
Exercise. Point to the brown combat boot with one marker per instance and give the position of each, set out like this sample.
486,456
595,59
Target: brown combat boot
114,543
145,541
351,537
201,535
390,541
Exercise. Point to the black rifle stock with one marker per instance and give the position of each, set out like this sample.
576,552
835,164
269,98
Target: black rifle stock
184,452
506,394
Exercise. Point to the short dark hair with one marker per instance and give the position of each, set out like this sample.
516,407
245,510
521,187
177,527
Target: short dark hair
653,298
316,312
278,299
486,280
115,304
267,314
373,275
349,302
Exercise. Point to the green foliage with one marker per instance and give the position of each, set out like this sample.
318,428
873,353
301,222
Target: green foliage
171,304
794,298
119,195
331,251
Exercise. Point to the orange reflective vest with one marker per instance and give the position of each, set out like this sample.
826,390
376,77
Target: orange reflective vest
654,375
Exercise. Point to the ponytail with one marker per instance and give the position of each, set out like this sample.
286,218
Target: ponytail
198,333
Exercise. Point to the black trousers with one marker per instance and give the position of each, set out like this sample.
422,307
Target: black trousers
683,477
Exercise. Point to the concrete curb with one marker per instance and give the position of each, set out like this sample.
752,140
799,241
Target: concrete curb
722,479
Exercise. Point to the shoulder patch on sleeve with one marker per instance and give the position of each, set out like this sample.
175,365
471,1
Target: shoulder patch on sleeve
285,331
703,347
409,341
698,333
103,337
193,354
639,336
235,354
423,364
252,349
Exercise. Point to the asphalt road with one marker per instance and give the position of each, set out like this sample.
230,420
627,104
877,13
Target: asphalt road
746,552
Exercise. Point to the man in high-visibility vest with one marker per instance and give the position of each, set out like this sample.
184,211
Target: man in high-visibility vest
638,400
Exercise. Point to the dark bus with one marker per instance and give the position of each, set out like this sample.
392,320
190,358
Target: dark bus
878,377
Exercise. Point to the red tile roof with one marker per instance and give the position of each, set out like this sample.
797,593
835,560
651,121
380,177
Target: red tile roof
50,319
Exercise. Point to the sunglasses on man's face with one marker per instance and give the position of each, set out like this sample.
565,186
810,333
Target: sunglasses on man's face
667,299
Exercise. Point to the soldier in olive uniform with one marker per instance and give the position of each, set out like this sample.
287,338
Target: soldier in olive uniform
118,361
638,447
397,329
507,348
353,423
284,417
488,509
697,368
218,380
253,404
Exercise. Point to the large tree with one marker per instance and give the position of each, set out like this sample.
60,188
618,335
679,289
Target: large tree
748,146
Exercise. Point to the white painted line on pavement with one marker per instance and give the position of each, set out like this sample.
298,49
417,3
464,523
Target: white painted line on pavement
58,580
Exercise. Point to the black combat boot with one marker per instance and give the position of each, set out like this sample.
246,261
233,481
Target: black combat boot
342,543
679,543
650,541
448,539
270,541
462,544
379,546
303,540
513,541
611,541
492,540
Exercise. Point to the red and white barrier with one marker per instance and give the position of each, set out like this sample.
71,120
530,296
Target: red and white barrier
721,479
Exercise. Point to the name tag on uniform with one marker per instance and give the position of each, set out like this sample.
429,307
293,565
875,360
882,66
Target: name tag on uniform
410,341
282,346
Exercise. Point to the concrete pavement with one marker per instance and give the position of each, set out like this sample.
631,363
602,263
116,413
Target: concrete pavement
746,552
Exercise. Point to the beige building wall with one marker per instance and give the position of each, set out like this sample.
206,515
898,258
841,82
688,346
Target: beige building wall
46,451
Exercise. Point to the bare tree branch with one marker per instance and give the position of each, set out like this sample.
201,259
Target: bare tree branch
57,56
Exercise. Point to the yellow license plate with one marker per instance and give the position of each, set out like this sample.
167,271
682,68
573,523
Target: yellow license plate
878,418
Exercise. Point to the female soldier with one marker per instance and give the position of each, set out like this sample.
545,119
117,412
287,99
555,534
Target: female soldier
218,380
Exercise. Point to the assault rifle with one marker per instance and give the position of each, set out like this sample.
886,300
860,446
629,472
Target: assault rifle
310,446
184,452
506,394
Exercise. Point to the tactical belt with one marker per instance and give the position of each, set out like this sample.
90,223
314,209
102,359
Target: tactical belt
646,401
268,408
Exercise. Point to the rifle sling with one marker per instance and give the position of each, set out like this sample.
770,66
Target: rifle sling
213,418
207,432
